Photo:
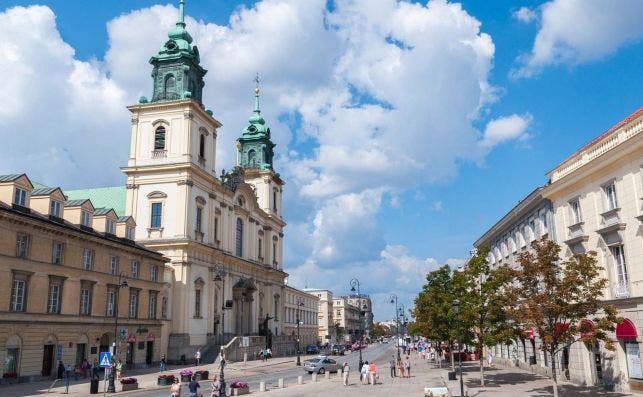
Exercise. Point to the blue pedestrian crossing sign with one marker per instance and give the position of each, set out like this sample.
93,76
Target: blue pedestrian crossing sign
105,360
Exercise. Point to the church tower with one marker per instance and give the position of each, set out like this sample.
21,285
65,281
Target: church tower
255,152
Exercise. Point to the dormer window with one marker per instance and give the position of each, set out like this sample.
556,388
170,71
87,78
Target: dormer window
85,219
109,227
159,138
129,233
54,208
240,201
20,197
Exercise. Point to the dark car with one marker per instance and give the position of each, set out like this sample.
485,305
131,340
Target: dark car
312,349
337,350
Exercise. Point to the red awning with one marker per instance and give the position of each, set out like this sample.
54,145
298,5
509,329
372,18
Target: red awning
626,330
587,329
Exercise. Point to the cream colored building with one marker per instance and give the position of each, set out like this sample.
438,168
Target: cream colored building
60,266
325,318
299,305
363,302
347,318
204,223
597,195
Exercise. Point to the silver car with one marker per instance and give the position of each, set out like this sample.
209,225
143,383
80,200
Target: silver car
320,365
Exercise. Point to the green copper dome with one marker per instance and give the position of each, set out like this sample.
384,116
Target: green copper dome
177,74
255,146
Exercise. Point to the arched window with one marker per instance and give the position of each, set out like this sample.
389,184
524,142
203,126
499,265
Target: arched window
202,146
239,238
170,85
252,157
159,138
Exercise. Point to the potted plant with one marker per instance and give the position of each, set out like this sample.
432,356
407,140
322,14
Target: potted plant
165,380
201,375
186,375
129,384
239,387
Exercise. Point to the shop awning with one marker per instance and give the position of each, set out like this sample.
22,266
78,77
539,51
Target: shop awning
587,329
626,330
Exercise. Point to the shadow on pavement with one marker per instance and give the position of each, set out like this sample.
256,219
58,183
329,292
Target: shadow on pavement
575,391
500,379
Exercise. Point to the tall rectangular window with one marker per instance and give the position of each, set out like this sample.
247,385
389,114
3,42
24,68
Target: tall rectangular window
18,295
239,238
113,264
216,229
155,221
109,227
22,245
111,302
53,301
20,197
574,209
544,227
152,305
260,248
88,259
274,253
202,146
199,216
54,208
135,269
133,303
197,303
85,219
620,267
154,273
86,299
610,196
57,253
129,233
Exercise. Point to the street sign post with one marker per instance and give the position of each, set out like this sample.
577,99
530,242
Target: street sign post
105,360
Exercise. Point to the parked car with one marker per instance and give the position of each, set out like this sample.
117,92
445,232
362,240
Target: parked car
357,346
337,350
320,365
312,349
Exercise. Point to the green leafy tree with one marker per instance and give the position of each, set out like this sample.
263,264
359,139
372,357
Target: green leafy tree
433,313
485,302
554,297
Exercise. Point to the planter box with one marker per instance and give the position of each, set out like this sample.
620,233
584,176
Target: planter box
164,381
202,376
129,386
237,391
185,378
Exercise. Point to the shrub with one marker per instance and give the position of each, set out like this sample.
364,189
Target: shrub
239,384
128,381
186,372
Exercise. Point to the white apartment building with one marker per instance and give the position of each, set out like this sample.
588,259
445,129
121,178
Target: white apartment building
302,306
325,318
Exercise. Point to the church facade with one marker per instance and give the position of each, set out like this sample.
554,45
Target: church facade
223,235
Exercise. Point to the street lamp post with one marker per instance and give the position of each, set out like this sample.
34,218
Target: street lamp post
220,276
397,325
122,282
355,284
456,309
299,305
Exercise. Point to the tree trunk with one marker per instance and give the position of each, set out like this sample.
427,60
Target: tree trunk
552,357
481,365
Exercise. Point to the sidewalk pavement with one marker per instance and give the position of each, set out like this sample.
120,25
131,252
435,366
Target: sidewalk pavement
147,379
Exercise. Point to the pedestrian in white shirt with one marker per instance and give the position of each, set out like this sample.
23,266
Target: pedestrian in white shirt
345,370
364,373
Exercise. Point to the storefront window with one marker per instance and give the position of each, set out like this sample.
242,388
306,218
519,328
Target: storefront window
633,360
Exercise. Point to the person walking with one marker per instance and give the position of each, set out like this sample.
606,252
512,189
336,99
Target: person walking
197,356
175,388
490,357
364,373
391,365
407,367
345,370
119,369
400,368
162,363
61,370
193,387
372,373
216,386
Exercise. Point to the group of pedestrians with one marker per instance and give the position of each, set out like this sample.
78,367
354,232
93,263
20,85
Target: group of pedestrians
367,375
401,367
193,388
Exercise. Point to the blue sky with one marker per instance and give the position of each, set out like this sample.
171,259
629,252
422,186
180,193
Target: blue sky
380,205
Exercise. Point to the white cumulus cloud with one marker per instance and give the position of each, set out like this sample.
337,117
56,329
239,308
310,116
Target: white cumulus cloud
504,129
525,15
578,31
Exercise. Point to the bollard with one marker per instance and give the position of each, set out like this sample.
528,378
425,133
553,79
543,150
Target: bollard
281,383
327,375
300,380
262,386
314,377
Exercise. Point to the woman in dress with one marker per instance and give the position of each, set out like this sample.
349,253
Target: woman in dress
175,389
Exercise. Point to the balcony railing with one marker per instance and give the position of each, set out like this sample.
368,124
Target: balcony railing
621,290
159,153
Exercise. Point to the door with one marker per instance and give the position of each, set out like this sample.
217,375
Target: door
104,343
129,358
47,360
81,353
149,353
597,364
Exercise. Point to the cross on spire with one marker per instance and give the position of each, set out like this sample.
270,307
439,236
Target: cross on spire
257,80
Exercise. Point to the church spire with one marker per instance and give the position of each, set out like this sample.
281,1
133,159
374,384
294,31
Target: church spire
257,94
181,19
255,146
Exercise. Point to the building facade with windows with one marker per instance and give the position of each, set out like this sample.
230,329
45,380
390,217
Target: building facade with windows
597,194
347,320
325,318
299,305
67,270
205,224
363,302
